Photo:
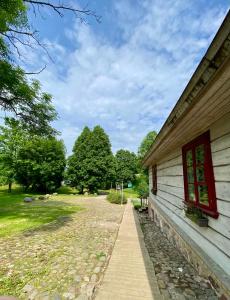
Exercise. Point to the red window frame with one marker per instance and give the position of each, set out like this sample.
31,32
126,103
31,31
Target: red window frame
154,179
209,181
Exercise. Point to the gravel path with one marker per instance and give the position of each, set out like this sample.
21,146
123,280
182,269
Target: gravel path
177,279
64,259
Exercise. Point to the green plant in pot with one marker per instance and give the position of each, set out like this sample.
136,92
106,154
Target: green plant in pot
196,215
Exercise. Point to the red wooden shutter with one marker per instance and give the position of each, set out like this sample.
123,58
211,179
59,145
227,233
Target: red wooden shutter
154,179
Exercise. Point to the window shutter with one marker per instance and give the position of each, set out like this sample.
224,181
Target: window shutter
154,179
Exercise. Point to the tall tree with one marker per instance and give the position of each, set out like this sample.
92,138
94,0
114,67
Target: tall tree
12,138
91,165
146,144
18,95
41,164
77,171
126,165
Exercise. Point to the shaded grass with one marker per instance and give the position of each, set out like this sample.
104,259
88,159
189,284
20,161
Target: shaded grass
17,216
130,193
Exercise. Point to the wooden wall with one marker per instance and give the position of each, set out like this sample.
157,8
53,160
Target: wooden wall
215,240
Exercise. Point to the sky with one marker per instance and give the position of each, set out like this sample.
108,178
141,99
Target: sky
127,72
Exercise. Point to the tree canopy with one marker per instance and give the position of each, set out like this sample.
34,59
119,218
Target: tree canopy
19,95
126,165
41,164
91,165
146,144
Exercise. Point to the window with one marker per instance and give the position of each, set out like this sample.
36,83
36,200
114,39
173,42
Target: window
198,175
154,179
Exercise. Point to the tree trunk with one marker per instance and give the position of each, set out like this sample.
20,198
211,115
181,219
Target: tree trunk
10,187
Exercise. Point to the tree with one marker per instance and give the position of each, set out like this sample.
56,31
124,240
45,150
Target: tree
77,172
41,164
91,165
100,160
126,165
18,95
12,138
146,144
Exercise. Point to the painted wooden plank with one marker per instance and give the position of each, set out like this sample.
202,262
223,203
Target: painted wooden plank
171,190
221,143
174,200
221,157
221,225
223,207
175,154
222,173
223,190
169,163
170,171
206,238
176,181
221,127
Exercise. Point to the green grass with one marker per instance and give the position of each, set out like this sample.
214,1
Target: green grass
17,216
130,193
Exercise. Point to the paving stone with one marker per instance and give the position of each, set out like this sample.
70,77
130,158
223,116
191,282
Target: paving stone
60,255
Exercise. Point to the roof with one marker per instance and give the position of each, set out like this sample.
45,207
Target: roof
215,58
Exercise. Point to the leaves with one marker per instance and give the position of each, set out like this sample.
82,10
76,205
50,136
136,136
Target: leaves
91,165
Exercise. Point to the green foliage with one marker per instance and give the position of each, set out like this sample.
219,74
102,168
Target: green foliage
91,165
136,203
18,95
41,164
116,198
25,99
142,187
12,138
126,165
146,144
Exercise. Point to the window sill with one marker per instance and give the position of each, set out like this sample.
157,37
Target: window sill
211,213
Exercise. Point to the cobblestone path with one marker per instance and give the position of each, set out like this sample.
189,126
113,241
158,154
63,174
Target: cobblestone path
177,279
64,259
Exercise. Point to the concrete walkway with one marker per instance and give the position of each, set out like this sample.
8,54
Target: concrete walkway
130,274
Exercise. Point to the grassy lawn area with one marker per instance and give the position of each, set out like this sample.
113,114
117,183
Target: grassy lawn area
17,216
130,193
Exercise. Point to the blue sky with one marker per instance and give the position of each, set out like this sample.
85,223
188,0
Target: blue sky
127,72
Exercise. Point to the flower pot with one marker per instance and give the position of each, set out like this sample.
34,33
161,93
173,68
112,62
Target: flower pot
202,222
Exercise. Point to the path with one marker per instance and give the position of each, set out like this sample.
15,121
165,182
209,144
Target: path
130,274
64,259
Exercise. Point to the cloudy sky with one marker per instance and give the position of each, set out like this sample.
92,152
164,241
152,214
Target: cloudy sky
127,72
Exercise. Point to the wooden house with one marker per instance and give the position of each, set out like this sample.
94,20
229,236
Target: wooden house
189,168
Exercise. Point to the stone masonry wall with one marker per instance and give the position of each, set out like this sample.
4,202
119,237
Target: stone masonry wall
188,252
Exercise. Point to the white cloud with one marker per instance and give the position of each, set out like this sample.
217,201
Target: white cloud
129,89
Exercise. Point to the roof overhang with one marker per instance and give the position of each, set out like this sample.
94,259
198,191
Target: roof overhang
204,100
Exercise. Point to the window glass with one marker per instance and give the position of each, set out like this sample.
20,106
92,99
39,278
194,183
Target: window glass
189,158
190,175
200,154
203,194
191,192
200,174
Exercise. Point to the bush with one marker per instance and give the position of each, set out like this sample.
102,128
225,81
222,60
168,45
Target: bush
136,204
116,198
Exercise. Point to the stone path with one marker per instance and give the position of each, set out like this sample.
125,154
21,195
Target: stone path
130,274
64,259
177,279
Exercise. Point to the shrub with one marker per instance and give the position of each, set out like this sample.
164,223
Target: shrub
136,204
116,198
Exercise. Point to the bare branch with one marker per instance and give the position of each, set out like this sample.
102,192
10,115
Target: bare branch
38,72
61,7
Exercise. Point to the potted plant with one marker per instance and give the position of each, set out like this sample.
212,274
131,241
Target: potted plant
195,214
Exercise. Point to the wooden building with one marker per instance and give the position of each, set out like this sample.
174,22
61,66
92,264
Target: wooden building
189,167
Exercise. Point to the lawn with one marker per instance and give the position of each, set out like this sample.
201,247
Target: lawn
17,216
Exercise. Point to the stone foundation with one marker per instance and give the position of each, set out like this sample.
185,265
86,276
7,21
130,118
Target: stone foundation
201,264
